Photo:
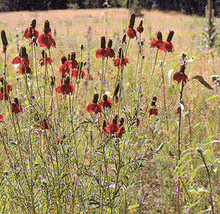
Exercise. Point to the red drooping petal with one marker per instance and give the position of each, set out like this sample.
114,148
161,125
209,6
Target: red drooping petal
16,60
101,53
1,118
93,108
46,40
106,103
180,76
131,33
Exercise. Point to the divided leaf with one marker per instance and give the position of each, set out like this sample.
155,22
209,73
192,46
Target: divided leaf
202,81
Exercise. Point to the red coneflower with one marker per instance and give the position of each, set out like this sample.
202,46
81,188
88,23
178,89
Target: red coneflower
113,128
158,43
46,39
66,86
72,60
23,61
65,67
140,28
76,73
105,103
101,53
94,106
121,61
30,32
168,46
153,109
180,76
46,58
15,107
109,50
131,32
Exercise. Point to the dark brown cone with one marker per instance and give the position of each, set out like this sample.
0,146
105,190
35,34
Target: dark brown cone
154,100
132,20
4,38
182,69
23,52
47,27
170,36
109,43
159,36
63,59
103,42
95,98
33,23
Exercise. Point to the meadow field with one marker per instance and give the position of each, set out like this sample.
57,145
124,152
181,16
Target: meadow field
94,119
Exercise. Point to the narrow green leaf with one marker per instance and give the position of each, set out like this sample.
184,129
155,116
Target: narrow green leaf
202,81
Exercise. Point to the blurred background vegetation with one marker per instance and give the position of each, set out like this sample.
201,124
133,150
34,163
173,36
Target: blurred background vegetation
183,6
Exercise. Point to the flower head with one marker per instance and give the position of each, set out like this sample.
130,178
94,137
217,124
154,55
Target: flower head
23,61
94,107
30,32
140,28
46,39
101,53
131,32
105,103
72,60
180,76
45,58
66,86
78,73
153,109
15,107
113,128
121,61
65,67
158,43
109,50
